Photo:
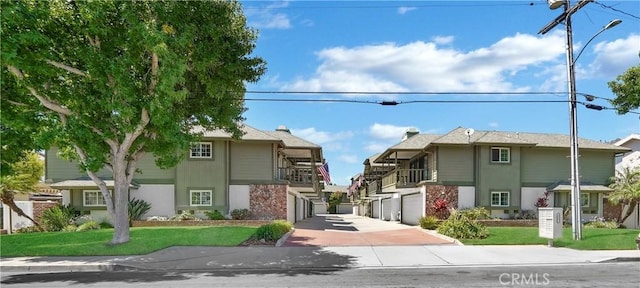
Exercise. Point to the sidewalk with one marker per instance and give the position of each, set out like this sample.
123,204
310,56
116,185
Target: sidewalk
334,257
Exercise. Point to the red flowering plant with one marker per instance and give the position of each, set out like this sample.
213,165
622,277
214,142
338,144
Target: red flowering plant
440,206
543,201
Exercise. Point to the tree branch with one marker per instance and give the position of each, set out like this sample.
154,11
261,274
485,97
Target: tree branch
154,72
67,68
44,101
130,137
17,103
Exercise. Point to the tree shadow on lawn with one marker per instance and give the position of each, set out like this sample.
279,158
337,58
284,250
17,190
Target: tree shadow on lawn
182,263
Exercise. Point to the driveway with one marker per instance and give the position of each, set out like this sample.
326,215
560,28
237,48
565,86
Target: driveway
351,230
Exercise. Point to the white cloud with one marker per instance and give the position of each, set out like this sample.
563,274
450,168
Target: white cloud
494,124
321,137
443,40
614,58
351,159
377,147
425,66
267,17
387,131
403,10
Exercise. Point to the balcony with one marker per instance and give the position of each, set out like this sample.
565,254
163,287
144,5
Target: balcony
404,178
296,176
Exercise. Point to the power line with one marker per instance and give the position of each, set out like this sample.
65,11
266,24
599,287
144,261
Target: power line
617,10
406,92
384,5
394,103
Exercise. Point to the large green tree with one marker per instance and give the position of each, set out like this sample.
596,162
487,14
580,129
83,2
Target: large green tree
115,80
626,87
626,190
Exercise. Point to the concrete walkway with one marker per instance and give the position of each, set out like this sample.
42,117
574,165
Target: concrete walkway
351,230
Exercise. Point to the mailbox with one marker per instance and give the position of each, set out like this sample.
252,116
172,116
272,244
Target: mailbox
550,222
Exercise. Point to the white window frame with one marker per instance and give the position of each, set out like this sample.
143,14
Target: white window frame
588,199
197,154
200,191
500,149
100,198
500,193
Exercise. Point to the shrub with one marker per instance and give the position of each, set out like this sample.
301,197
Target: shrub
83,219
215,215
601,223
89,225
28,229
240,214
58,217
429,222
463,224
526,215
69,228
137,208
185,215
105,225
274,230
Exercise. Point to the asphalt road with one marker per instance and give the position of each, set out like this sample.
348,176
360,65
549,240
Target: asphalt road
623,274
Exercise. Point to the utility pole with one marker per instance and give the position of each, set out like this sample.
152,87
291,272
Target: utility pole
576,207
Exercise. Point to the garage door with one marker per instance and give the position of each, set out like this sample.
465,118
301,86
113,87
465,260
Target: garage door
411,208
375,209
291,208
386,209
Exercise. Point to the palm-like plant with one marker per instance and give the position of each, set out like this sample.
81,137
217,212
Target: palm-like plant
626,190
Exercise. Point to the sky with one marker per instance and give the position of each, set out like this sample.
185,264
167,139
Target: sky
469,52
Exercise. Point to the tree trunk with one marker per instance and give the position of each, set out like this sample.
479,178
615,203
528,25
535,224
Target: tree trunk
121,203
8,200
632,206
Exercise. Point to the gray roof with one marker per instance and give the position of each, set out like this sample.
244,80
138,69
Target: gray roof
459,137
335,188
83,183
290,140
417,141
250,133
563,186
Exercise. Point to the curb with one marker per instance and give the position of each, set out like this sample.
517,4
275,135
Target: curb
445,237
284,238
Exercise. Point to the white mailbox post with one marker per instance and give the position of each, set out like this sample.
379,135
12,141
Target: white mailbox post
550,223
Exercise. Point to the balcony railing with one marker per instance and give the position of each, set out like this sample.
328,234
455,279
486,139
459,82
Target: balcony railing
298,176
407,177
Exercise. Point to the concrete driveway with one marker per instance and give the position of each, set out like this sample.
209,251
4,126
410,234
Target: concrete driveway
351,230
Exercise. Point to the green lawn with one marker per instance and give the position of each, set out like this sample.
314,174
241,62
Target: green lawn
144,240
592,238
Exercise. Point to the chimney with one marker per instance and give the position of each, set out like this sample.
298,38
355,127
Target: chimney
283,129
410,133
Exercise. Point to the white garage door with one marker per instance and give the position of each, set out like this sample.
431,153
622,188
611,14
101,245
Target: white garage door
386,209
411,209
291,208
375,207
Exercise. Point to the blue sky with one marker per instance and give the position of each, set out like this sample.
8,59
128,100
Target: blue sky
433,46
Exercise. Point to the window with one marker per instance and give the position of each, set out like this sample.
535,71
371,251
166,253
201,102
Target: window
500,155
584,199
93,198
201,197
201,150
500,199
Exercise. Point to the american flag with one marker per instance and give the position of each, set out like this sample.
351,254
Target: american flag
324,170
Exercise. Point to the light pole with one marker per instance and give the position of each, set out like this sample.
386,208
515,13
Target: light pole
576,209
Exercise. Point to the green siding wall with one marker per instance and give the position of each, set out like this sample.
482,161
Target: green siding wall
494,177
455,164
596,166
58,169
545,165
201,174
251,161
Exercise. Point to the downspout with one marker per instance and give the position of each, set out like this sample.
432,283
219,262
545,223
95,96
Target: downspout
227,160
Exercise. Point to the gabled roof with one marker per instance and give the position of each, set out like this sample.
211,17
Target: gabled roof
459,136
409,147
250,133
627,139
290,140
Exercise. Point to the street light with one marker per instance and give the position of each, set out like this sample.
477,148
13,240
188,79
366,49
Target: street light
576,209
